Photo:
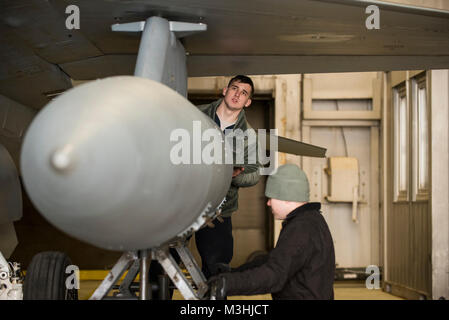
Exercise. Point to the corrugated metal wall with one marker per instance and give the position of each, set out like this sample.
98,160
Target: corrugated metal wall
408,252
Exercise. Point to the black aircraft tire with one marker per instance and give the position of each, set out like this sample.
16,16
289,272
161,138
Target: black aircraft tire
45,278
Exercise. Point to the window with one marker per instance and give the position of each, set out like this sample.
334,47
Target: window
420,138
401,135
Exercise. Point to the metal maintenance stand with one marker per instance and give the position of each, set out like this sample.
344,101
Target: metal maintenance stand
138,262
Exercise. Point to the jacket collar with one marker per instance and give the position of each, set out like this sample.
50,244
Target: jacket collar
241,120
310,206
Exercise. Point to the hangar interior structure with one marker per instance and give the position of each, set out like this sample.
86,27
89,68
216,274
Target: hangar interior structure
386,130
384,184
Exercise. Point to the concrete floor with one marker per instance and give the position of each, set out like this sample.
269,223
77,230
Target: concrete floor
343,291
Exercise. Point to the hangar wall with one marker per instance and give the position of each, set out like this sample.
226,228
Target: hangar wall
440,182
341,112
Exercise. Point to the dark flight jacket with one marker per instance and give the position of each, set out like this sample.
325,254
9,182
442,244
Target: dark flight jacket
250,176
301,266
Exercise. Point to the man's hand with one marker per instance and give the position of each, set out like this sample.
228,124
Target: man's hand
217,287
237,171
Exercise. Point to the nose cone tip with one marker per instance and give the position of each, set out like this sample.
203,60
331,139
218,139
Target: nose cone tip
62,160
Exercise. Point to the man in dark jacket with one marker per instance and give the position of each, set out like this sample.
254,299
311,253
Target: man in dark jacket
302,265
215,244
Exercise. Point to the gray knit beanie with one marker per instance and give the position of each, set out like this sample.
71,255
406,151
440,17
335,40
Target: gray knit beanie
289,183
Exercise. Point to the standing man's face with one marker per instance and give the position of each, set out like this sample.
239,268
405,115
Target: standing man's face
237,96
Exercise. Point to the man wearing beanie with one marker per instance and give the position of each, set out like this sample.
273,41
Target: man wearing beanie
302,265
